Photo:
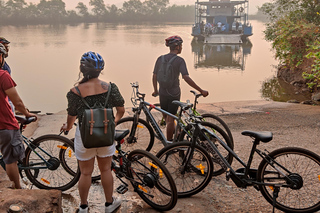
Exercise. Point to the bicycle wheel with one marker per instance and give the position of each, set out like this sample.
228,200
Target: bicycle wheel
304,168
143,138
152,180
198,173
158,117
218,170
70,164
52,175
210,118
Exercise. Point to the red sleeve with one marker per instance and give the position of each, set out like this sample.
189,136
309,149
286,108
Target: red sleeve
6,81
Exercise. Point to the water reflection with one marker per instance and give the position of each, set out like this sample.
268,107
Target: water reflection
221,56
278,90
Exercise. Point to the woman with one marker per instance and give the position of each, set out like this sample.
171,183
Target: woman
93,90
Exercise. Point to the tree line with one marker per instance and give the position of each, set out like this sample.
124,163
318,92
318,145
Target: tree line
54,11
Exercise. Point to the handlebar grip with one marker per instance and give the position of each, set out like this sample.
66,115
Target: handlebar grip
65,132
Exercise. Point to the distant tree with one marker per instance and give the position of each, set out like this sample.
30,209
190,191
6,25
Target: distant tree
82,9
99,8
114,12
52,10
15,8
133,8
156,7
32,12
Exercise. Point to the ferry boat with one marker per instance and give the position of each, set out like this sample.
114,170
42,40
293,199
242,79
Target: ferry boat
222,21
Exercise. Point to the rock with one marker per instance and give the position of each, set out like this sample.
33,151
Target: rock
316,96
35,200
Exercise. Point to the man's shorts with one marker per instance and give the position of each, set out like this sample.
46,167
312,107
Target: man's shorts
84,154
167,105
11,146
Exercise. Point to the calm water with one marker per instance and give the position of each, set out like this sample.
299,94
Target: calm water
45,61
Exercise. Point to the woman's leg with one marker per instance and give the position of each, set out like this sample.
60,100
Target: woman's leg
106,177
86,168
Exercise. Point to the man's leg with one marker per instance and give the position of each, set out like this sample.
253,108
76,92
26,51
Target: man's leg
13,174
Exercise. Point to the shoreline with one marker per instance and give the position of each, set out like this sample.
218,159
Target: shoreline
51,123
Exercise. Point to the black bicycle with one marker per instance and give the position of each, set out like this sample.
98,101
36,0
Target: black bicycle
207,117
148,176
142,135
288,178
43,165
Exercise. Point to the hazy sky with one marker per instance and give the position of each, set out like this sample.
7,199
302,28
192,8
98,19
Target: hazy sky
71,4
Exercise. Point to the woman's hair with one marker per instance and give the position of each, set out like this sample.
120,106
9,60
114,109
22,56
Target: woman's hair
91,65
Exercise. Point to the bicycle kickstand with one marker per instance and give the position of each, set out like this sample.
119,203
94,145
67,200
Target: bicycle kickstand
275,195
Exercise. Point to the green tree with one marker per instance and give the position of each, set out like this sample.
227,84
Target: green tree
293,27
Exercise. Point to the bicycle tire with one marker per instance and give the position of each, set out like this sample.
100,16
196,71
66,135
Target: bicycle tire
218,170
143,138
152,180
214,119
200,169
305,168
54,176
70,165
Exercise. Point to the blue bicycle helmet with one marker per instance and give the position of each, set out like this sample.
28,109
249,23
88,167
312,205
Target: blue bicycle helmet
91,62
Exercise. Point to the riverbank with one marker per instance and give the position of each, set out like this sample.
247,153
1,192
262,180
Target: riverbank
291,124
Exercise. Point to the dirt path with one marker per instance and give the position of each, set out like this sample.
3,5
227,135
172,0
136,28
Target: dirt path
292,125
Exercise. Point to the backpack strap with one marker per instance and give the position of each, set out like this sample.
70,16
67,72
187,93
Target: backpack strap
84,101
172,59
109,91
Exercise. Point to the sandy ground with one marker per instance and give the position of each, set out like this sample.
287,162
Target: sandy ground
292,125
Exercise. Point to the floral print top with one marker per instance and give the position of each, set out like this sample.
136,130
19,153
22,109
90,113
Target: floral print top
76,106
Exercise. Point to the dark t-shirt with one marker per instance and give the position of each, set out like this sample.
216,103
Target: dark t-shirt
7,119
76,107
179,66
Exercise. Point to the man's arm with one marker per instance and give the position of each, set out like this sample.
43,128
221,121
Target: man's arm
17,102
155,85
194,85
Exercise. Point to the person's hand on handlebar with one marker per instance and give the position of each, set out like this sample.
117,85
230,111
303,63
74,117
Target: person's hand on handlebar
31,115
204,93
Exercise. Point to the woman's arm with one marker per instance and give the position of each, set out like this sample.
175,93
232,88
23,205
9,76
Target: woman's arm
119,114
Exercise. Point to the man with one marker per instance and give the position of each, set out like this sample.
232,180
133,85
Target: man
5,66
167,95
11,145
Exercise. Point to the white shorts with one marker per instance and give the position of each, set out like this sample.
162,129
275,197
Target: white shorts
84,154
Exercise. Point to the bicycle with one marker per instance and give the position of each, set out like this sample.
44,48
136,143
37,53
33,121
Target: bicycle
43,164
148,176
142,134
207,117
288,178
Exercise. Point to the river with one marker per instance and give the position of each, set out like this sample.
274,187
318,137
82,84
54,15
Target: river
45,61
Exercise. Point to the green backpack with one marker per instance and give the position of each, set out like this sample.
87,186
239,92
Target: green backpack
165,75
98,127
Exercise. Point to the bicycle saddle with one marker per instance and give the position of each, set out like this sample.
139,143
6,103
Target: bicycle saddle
184,106
120,134
261,136
24,120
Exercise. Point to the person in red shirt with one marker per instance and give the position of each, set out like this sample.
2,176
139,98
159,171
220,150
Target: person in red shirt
11,145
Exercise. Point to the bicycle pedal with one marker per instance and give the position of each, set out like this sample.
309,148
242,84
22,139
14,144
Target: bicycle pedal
122,189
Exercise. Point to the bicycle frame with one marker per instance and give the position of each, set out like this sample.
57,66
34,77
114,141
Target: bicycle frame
143,105
240,179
